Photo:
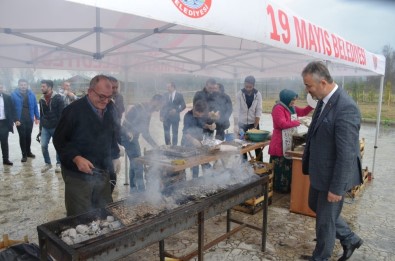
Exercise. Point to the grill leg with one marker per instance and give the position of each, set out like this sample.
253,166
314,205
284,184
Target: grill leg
43,248
264,219
201,236
228,217
162,250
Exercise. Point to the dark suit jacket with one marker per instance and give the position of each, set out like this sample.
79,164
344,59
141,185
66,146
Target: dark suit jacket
332,155
9,111
178,104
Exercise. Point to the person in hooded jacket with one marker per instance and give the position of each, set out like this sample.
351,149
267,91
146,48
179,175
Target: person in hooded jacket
248,110
284,115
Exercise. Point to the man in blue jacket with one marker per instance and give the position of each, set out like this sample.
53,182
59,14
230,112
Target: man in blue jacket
26,111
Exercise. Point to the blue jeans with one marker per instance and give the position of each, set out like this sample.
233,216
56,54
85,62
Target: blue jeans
46,135
136,170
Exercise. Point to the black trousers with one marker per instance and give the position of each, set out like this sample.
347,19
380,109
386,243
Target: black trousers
4,138
25,136
84,192
174,127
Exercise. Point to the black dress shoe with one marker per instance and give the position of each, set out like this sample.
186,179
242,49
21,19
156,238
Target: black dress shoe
24,159
349,250
31,155
7,162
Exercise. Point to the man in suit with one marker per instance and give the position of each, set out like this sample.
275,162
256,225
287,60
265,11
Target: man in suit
170,113
6,123
332,160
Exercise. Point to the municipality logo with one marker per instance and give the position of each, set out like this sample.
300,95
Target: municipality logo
193,8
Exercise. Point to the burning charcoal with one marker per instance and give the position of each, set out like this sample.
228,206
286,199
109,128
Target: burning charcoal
94,228
105,230
66,233
67,240
72,233
80,238
82,229
104,224
110,219
115,225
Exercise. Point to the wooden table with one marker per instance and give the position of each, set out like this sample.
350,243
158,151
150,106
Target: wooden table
169,173
164,163
299,187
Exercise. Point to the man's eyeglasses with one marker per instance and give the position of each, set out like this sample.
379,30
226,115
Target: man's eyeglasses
101,96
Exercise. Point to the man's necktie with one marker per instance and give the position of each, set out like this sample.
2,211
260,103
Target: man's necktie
306,153
317,114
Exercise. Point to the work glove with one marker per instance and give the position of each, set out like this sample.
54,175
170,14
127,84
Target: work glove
38,137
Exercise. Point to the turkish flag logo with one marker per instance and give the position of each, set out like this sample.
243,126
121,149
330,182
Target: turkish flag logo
375,61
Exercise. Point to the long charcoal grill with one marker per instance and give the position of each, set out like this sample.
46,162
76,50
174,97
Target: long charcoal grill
141,234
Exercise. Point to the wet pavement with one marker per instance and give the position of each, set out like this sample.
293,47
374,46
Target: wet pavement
30,198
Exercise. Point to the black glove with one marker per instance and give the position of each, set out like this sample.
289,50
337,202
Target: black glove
38,137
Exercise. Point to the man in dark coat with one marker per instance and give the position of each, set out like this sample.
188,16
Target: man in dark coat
6,123
85,139
210,94
332,159
51,107
170,113
137,121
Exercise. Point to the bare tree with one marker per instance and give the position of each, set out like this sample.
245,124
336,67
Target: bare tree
389,54
6,77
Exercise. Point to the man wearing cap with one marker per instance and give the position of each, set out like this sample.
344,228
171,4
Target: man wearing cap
248,110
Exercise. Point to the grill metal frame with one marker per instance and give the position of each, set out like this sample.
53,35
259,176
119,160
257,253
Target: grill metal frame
130,239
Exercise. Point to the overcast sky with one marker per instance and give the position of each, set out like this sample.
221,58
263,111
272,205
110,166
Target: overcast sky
367,23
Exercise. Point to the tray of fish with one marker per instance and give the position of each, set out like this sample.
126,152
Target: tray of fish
178,151
132,210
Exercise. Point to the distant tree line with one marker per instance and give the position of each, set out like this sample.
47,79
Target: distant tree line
362,89
368,91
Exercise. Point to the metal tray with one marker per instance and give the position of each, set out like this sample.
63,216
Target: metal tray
178,151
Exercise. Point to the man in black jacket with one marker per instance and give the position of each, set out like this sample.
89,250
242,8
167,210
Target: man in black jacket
85,139
170,113
219,109
6,123
51,107
137,121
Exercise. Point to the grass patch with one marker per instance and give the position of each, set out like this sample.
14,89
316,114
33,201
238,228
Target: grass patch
368,110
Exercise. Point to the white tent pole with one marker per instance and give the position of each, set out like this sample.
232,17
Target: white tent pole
235,80
97,33
125,86
378,121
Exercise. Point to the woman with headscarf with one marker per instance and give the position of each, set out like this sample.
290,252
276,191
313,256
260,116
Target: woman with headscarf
285,117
